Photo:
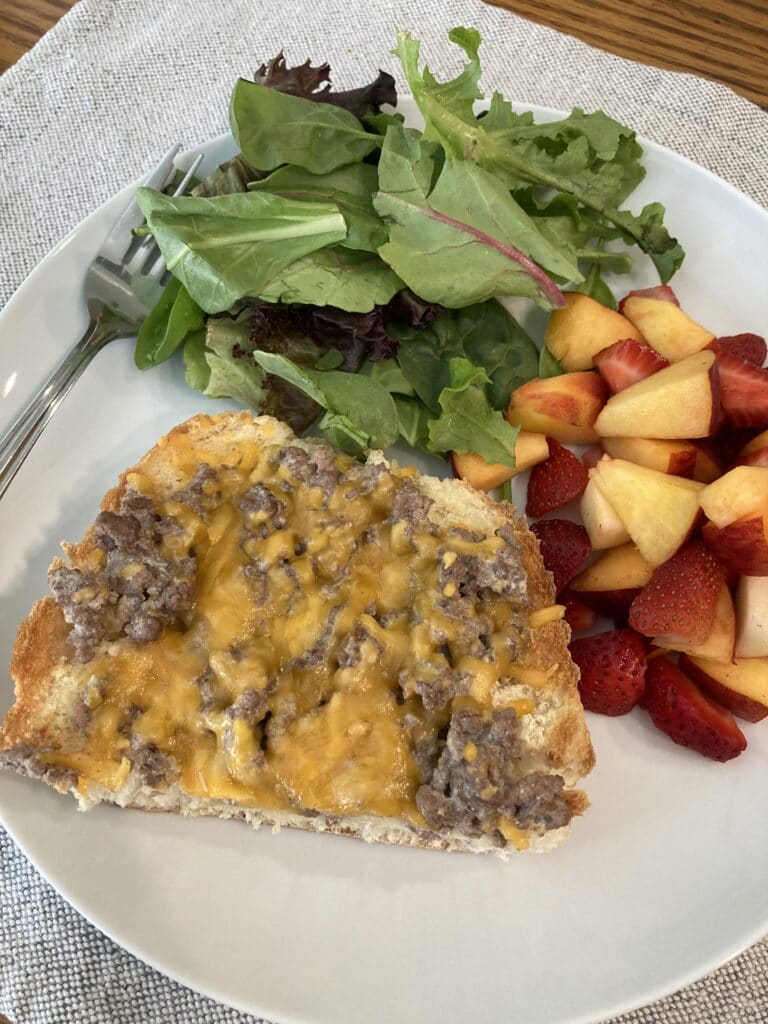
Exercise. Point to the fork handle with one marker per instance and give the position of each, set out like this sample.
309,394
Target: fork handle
20,437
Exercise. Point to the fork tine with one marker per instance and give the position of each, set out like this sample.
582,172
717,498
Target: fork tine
118,241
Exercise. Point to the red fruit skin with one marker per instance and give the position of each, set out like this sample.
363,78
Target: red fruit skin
758,458
592,456
749,347
579,616
742,546
613,603
564,548
746,708
743,391
681,595
612,667
678,708
660,291
626,362
556,481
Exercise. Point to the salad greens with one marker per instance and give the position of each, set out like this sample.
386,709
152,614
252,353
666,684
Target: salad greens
345,270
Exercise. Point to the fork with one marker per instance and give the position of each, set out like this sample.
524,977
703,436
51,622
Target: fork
113,309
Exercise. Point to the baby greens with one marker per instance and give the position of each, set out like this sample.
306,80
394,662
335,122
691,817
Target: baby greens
345,268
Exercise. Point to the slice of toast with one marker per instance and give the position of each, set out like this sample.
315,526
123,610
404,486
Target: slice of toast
257,627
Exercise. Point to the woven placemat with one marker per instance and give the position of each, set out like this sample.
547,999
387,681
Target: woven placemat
89,109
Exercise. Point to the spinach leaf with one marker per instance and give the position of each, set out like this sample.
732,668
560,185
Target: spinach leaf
388,373
273,128
595,286
549,366
345,278
197,372
227,247
413,421
464,238
172,319
350,188
232,176
360,413
468,423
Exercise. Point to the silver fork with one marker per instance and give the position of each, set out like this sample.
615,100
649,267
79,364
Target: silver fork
114,312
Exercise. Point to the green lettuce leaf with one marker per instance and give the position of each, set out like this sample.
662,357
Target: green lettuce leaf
467,422
273,128
169,322
460,238
345,278
413,421
549,366
350,188
231,246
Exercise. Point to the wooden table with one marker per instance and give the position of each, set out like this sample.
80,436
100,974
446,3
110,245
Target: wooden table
722,39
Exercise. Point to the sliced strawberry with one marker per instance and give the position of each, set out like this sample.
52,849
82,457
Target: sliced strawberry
749,347
743,391
556,481
592,456
680,599
613,603
626,362
579,616
661,291
742,546
679,709
564,548
612,667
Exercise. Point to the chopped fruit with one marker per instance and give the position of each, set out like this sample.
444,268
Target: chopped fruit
679,602
721,640
563,407
741,546
749,347
626,362
739,493
679,709
564,548
681,401
676,457
583,327
756,444
658,510
612,667
592,456
579,616
529,449
666,327
743,391
756,452
605,528
752,617
555,482
611,583
660,291
739,685
708,466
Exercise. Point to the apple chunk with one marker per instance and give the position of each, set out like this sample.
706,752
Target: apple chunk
605,528
756,452
666,327
676,457
752,617
529,450
614,580
563,407
722,636
582,328
741,492
658,510
741,546
680,401
740,685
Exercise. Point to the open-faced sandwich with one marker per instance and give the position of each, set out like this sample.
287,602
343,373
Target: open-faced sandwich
258,627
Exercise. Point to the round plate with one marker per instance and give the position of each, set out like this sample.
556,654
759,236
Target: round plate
314,928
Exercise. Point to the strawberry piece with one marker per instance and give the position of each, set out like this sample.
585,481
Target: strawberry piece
742,546
592,456
564,548
749,347
680,599
679,709
662,292
579,616
743,391
612,667
626,362
556,481
613,603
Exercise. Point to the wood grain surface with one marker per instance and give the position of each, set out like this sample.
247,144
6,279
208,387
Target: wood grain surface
722,39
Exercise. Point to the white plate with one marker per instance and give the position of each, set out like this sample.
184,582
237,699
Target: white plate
664,878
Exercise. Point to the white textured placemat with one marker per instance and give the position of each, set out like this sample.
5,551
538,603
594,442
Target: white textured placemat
89,109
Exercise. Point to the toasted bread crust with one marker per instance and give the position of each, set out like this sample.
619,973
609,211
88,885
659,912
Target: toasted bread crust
38,720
